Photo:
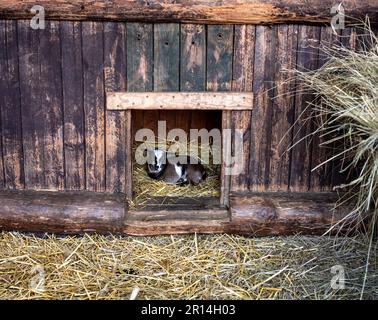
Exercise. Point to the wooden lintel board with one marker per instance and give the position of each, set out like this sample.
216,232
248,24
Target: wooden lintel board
179,100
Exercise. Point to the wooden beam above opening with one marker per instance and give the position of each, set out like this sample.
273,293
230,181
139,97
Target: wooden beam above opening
193,11
179,100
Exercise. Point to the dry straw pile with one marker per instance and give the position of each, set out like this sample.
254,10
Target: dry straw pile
184,267
346,112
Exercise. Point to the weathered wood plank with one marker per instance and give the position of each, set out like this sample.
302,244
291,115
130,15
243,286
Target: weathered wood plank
41,104
284,54
284,213
28,42
61,212
94,105
321,178
256,214
195,11
73,109
167,65
139,78
11,132
140,67
52,105
307,59
242,80
261,125
219,78
115,80
179,100
193,68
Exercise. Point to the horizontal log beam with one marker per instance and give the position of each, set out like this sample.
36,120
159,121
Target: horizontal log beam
251,214
193,11
179,101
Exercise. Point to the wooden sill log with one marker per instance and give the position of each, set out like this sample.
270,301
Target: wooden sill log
193,11
251,214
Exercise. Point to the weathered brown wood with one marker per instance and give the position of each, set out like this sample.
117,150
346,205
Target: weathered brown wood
188,214
167,65
242,73
307,59
321,177
179,100
195,11
140,68
283,214
10,109
41,103
257,214
51,105
115,130
94,105
30,104
284,55
73,109
61,212
219,78
261,125
193,67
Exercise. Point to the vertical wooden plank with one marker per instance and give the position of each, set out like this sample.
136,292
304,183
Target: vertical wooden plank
219,78
321,178
283,60
41,103
115,80
167,64
73,109
261,125
192,70
52,105
11,130
93,59
307,59
139,78
242,80
140,68
32,115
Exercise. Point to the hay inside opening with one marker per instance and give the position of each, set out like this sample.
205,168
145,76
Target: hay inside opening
146,189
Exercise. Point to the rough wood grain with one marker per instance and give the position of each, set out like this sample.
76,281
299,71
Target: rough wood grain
10,109
284,58
73,109
51,105
41,103
61,212
139,78
193,69
284,213
94,105
242,80
321,178
195,11
261,125
167,65
115,80
307,59
28,43
140,67
179,101
256,214
219,78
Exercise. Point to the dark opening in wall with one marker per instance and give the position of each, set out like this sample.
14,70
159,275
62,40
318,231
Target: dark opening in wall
156,194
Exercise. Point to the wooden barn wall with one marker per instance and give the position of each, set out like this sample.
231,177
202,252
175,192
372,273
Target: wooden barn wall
56,134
